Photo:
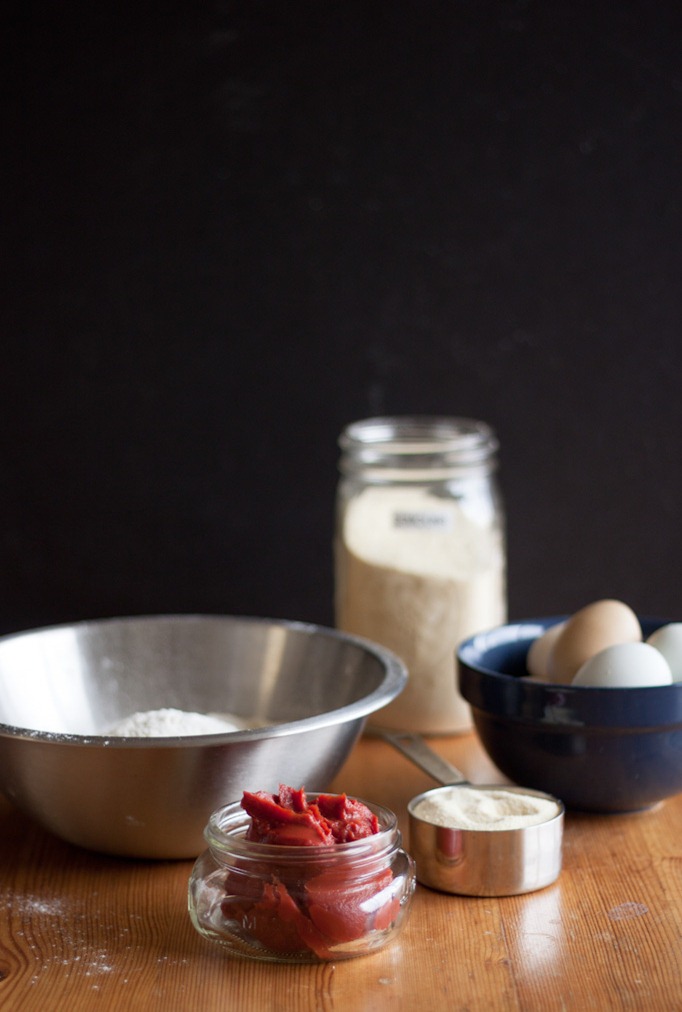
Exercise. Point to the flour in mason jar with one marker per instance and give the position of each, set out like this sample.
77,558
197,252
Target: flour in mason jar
170,723
418,574
485,809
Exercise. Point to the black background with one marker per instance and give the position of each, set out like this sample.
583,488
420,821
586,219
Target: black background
230,229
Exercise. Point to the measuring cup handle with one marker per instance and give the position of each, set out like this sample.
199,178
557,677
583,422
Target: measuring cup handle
415,748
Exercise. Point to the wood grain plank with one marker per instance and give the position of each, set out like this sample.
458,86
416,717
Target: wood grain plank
80,931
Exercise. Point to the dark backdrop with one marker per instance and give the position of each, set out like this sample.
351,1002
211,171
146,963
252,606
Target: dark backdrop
232,228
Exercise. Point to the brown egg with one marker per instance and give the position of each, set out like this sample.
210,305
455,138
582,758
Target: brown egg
539,651
593,628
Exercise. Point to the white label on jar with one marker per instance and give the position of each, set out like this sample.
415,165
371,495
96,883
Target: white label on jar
418,521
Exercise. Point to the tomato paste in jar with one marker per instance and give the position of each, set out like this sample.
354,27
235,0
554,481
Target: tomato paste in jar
320,877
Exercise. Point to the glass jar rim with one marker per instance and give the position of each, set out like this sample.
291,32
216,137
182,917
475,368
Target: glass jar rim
417,441
227,826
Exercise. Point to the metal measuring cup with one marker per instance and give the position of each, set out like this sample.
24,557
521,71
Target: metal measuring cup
472,862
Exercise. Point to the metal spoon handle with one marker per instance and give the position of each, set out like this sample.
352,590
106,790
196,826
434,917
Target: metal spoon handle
415,748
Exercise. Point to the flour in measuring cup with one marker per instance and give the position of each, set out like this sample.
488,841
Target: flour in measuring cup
489,809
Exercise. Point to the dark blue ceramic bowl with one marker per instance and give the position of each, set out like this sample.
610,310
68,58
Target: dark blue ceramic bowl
598,750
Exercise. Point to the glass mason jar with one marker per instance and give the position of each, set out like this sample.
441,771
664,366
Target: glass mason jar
420,557
300,904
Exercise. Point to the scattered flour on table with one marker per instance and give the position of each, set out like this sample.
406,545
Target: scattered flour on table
170,723
30,905
472,808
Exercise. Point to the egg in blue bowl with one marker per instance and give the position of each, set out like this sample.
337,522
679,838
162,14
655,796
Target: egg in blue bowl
587,707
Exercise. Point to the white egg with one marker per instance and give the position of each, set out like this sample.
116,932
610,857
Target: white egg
668,641
623,666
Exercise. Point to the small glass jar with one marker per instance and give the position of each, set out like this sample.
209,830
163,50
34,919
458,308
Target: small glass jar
420,555
300,904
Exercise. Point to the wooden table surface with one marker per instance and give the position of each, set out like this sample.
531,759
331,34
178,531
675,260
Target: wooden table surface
83,931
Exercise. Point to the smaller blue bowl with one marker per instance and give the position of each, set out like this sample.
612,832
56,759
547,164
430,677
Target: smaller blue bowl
598,750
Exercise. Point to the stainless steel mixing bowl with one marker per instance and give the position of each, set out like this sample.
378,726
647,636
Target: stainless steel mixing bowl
308,691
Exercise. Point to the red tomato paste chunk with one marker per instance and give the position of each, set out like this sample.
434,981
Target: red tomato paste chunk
288,819
312,910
